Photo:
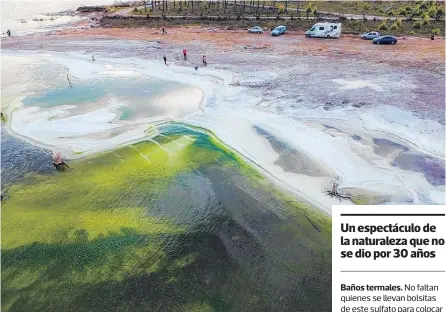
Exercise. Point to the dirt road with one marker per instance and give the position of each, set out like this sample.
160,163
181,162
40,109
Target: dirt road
409,52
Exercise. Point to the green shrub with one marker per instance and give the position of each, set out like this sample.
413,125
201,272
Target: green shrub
423,6
394,26
439,14
432,12
426,20
417,24
402,12
310,7
383,26
416,13
436,31
412,33
281,8
399,22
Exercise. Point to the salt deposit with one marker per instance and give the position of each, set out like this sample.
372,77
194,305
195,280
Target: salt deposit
357,84
211,100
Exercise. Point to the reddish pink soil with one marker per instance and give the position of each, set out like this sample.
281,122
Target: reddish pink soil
409,51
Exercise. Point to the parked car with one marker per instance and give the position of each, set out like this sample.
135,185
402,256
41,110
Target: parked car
256,30
279,30
370,35
324,30
385,40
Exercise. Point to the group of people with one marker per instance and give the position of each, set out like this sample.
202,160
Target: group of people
203,58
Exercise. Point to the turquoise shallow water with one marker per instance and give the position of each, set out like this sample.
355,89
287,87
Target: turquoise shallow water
135,93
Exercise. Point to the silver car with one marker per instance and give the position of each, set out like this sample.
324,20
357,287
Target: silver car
256,30
370,35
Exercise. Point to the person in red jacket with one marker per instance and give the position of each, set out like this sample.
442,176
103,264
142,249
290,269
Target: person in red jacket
185,54
58,161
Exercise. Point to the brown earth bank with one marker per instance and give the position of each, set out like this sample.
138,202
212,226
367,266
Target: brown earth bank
390,17
348,26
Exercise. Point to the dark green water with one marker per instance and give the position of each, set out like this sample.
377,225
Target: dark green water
190,227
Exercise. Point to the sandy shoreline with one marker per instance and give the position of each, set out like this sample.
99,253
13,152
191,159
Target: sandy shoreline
237,104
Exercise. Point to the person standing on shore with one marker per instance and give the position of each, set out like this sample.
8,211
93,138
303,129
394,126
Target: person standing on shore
165,59
185,54
9,33
58,161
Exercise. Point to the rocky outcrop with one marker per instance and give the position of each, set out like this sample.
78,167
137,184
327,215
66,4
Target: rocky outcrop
91,9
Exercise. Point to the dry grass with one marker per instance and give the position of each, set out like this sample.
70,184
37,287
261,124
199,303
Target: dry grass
378,8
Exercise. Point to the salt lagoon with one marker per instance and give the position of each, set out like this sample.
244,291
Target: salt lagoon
114,102
195,190
177,223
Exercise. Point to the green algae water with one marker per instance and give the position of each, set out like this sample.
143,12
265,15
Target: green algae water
176,223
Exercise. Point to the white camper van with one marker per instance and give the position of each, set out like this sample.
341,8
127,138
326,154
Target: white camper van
324,30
